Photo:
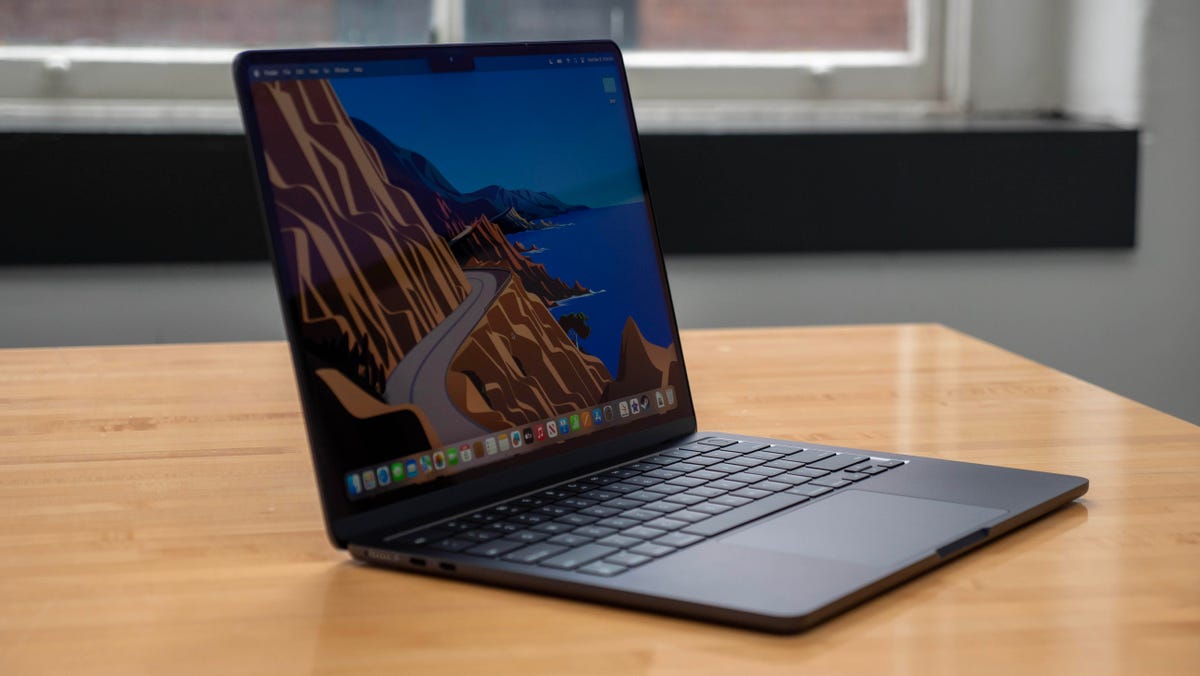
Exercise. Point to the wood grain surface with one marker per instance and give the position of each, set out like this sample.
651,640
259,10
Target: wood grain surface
158,515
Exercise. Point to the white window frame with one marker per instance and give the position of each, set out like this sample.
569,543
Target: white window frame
144,88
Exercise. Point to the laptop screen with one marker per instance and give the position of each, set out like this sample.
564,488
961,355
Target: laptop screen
467,260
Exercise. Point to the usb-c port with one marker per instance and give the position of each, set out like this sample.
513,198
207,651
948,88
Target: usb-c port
447,567
416,562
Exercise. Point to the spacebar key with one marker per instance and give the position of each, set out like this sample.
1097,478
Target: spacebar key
744,514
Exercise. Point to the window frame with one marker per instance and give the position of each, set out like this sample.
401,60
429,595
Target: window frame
113,85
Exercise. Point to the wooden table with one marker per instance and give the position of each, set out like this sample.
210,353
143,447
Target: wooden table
158,515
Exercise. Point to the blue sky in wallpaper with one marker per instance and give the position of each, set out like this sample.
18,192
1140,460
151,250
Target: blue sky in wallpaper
518,129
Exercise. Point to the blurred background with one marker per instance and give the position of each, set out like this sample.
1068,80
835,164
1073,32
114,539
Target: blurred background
1027,171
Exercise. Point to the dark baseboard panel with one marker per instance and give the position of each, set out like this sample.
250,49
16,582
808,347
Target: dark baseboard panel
117,198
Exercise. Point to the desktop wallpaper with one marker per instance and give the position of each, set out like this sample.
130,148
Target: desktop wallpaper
467,267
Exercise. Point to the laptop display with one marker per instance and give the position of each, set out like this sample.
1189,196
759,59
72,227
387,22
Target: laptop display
467,259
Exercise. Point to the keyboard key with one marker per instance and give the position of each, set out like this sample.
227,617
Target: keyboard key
640,514
729,500
574,558
789,478
704,460
618,522
666,524
847,475
667,489
681,539
534,553
685,499
772,485
642,481
553,527
620,473
689,515
529,518
745,447
681,453
424,537
808,455
752,493
808,490
724,468
577,503
783,464
706,491
601,568
707,474
627,559
683,467
577,519
839,461
661,460
726,485
600,511
569,539
710,509
745,477
888,463
809,472
643,533
874,469
481,535
616,540
599,495
643,496
745,514
553,510
459,524
685,481
663,506
764,470
624,503
594,531
651,549
764,455
602,480
494,548
622,487
745,461
720,454
527,536
453,544
483,517
663,474
641,467
507,527
716,441
830,481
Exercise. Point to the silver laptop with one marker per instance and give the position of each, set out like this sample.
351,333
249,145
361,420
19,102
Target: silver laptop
489,362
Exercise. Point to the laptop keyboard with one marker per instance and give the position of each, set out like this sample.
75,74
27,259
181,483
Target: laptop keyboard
616,519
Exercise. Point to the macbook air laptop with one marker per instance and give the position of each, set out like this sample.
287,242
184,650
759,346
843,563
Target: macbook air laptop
489,363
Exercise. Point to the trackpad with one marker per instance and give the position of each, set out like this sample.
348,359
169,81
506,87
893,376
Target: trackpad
875,529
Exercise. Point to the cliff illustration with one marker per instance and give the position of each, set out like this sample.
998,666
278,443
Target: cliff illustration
643,366
518,365
368,270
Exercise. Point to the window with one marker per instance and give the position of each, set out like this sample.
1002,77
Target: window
75,55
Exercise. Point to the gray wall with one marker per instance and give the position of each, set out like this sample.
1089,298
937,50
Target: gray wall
1128,321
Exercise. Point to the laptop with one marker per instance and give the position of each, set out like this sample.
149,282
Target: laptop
489,362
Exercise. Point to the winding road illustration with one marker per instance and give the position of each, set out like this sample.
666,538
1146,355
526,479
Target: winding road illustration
420,378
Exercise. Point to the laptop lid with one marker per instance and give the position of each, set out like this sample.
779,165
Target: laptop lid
468,267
